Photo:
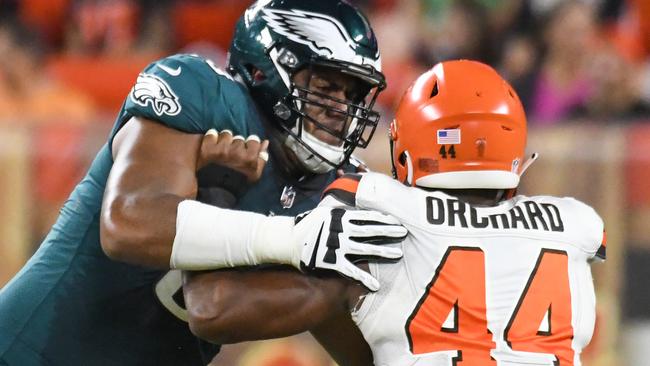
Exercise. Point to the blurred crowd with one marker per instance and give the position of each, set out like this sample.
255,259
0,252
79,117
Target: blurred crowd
568,59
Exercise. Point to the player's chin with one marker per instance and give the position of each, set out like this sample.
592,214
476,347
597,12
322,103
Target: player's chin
327,137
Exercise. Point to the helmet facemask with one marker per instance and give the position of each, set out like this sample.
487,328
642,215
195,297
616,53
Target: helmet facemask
330,113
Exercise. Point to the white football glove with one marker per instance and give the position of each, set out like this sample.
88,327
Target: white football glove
334,238
209,237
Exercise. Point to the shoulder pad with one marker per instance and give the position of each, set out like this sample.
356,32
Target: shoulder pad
188,93
582,224
384,194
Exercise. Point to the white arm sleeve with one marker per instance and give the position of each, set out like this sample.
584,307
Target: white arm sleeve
209,237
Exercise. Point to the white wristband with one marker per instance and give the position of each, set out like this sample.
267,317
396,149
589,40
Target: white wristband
209,237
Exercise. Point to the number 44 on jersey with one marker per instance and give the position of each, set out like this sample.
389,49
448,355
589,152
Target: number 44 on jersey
453,317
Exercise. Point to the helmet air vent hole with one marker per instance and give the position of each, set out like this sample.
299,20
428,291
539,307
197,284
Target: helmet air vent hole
506,128
434,91
402,158
258,76
512,95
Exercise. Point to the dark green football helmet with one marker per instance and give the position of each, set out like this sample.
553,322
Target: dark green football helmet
278,38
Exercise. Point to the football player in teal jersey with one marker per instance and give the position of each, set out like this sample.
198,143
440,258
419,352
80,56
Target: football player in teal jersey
303,75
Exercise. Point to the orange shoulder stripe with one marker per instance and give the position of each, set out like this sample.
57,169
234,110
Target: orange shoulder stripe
345,184
344,189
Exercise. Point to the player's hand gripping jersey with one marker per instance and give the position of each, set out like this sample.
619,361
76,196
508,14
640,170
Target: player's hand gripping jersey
479,286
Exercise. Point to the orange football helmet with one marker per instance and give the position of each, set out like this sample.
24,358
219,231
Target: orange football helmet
459,125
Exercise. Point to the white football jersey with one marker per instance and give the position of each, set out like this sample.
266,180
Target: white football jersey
505,285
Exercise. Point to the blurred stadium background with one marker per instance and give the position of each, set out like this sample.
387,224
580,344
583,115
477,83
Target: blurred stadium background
582,69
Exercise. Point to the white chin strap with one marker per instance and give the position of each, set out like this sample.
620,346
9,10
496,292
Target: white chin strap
311,162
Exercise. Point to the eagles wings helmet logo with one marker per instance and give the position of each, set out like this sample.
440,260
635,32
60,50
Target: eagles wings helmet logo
323,34
155,92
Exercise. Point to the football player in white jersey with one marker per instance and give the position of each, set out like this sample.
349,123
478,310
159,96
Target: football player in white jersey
487,278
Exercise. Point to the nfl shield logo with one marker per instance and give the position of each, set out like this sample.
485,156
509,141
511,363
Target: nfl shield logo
287,197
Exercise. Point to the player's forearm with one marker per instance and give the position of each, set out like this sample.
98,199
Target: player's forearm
246,304
140,229
343,341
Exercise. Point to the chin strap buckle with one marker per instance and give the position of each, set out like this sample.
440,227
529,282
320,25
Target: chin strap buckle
528,163
282,111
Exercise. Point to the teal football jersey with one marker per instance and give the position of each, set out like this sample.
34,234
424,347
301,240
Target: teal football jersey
72,305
